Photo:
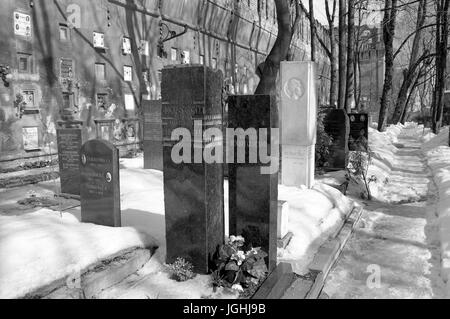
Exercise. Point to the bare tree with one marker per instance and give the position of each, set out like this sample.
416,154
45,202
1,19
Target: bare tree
268,71
312,22
442,33
342,48
350,92
411,73
389,24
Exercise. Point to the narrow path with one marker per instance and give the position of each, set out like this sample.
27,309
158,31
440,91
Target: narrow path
394,253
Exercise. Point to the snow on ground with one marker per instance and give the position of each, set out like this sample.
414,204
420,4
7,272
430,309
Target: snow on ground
39,248
51,245
438,154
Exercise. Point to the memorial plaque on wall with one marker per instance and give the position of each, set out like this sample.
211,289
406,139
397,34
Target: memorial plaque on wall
69,146
193,188
253,195
153,147
359,131
337,125
100,184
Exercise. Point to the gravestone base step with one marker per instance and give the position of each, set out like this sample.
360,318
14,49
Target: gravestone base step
278,282
97,277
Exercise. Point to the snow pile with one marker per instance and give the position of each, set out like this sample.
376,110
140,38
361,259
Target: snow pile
438,153
314,215
39,248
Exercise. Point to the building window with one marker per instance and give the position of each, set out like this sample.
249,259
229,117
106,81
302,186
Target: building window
99,40
66,68
25,62
67,101
127,73
174,54
126,46
202,59
186,57
64,32
214,63
100,73
28,98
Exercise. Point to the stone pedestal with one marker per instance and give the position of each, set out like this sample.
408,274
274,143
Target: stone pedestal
69,139
193,189
100,184
253,195
153,139
298,123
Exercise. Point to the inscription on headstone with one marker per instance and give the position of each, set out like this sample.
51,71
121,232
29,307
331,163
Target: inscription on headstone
193,189
69,145
359,131
153,136
253,196
100,184
337,125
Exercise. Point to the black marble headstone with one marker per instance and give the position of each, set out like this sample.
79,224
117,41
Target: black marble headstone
153,139
359,131
253,196
193,191
337,125
100,184
69,145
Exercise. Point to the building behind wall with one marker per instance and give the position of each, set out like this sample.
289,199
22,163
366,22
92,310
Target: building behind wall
95,61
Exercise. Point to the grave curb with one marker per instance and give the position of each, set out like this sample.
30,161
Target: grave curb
28,177
325,258
97,277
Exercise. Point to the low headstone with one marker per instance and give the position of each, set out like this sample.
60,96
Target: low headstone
359,131
153,136
69,140
253,195
100,184
337,125
193,187
298,123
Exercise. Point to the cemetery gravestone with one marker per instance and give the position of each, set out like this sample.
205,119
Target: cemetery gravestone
253,196
153,139
100,184
298,123
359,131
193,189
69,140
337,125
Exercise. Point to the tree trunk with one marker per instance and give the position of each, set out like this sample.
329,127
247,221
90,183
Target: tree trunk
411,72
441,63
342,61
312,23
389,23
270,68
333,50
350,93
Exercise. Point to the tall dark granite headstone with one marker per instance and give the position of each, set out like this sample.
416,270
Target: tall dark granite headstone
359,131
193,191
69,139
100,184
153,136
337,125
253,196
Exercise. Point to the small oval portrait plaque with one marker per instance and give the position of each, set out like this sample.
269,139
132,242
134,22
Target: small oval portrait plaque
294,89
108,177
83,159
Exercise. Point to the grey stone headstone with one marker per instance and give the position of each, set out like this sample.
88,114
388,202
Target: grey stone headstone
193,192
253,196
69,146
153,136
100,184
